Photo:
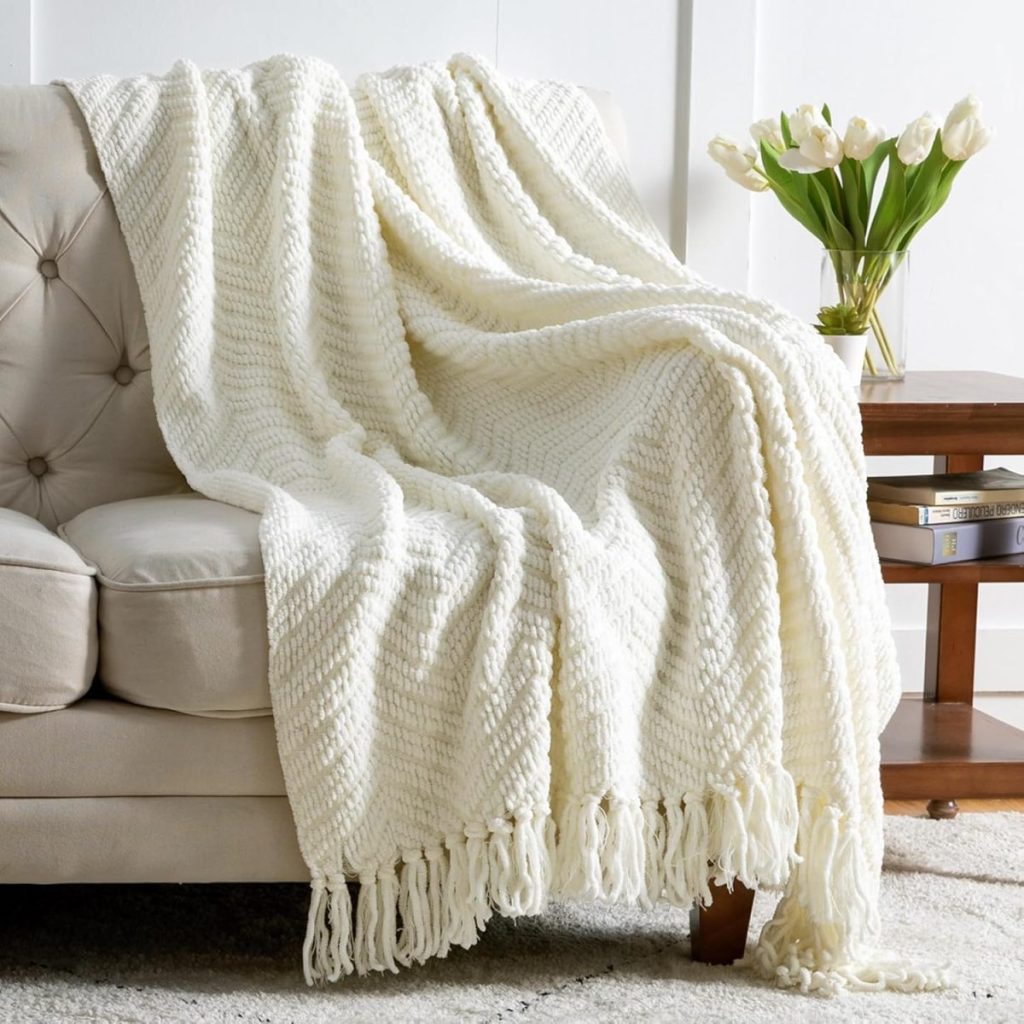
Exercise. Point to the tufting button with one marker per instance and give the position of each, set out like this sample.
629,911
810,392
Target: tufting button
124,375
48,268
37,466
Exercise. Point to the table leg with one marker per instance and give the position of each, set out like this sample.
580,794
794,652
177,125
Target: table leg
942,809
950,641
951,636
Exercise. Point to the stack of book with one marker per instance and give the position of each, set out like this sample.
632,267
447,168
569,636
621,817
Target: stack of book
947,517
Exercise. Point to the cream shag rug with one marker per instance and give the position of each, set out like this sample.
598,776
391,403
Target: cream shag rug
952,890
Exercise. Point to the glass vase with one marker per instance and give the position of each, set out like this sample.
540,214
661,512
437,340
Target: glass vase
867,292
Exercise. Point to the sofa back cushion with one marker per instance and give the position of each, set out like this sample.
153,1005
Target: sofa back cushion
77,426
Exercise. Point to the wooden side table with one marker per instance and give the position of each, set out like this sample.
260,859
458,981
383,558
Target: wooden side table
941,748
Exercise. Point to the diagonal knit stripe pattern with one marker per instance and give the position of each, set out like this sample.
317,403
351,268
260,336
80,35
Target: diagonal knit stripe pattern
570,585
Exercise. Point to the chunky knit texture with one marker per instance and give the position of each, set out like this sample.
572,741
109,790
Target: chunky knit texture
570,585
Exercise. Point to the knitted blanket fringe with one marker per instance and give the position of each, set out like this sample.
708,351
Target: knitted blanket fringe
570,585
612,849
621,851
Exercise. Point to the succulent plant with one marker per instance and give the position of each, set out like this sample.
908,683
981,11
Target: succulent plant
841,319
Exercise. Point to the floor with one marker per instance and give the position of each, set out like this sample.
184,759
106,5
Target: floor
916,807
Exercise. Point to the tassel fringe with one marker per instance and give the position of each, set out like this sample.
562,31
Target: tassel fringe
822,936
621,850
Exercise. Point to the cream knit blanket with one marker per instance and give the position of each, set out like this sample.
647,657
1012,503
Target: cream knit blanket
570,586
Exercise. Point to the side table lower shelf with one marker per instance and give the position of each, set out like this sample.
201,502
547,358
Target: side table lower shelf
953,750
1007,569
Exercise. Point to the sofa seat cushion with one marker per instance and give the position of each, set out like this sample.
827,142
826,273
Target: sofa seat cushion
182,619
104,747
47,618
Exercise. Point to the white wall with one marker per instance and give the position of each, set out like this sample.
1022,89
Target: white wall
683,70
891,62
626,49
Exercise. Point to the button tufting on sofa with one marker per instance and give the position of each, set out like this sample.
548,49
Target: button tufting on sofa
74,355
37,466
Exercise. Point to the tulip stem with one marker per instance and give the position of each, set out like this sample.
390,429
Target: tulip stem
861,278
870,363
883,342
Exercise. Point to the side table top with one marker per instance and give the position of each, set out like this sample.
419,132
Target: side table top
943,388
944,412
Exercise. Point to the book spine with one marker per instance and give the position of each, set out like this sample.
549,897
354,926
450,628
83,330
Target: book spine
966,542
931,515
958,497
983,497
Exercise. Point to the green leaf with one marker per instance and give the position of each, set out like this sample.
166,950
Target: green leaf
827,114
818,203
799,212
793,193
833,185
938,199
889,215
850,174
787,135
923,185
829,200
869,175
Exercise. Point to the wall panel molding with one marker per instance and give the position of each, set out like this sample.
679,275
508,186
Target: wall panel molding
722,44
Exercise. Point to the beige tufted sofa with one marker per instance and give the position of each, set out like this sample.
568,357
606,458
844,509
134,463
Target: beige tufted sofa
136,743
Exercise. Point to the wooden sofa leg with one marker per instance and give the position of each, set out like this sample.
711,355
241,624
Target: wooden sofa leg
718,934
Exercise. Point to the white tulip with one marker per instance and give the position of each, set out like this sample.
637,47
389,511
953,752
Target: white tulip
862,138
768,130
803,119
739,162
917,139
969,106
821,148
734,156
964,133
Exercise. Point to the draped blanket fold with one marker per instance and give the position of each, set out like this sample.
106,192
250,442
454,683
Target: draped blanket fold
570,586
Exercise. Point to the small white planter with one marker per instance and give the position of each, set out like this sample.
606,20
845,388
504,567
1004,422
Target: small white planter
850,348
